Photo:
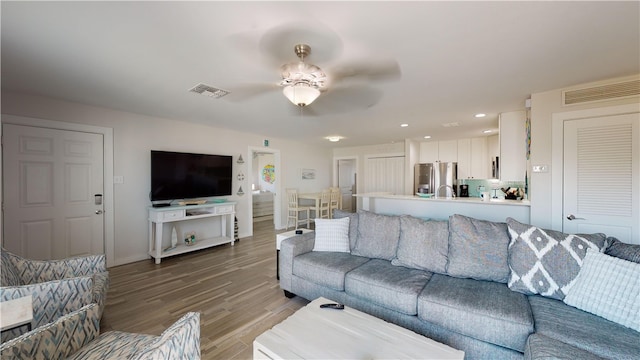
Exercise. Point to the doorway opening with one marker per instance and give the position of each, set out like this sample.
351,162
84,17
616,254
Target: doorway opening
264,181
345,170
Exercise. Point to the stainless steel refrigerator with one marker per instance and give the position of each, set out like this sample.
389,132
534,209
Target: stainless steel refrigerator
423,178
428,178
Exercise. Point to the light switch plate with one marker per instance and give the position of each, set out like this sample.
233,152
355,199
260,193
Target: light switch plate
540,168
118,179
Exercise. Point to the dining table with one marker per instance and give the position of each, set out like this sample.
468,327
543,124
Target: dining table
315,196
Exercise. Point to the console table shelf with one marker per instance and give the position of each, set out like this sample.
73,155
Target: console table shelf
158,216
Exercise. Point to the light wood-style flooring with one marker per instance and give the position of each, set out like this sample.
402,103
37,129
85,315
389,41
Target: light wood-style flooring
233,287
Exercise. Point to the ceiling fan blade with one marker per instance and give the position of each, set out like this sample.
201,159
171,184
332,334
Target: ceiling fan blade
278,43
346,99
369,70
248,91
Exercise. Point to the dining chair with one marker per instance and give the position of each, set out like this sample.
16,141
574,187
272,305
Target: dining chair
334,200
295,209
322,209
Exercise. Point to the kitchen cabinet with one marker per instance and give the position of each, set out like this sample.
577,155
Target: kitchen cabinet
512,146
473,161
443,151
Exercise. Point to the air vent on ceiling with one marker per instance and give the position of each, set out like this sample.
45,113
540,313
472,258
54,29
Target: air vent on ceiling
210,91
606,92
451,124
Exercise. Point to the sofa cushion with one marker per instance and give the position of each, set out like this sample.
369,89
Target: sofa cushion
609,287
378,235
624,251
326,268
423,244
114,345
589,332
540,347
478,249
332,235
353,225
483,310
546,262
393,287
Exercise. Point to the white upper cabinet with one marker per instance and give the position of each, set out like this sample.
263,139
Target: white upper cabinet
443,151
512,146
479,159
470,154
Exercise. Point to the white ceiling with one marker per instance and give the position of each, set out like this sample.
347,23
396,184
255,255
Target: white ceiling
456,58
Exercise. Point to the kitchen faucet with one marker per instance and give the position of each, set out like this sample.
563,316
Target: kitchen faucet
453,193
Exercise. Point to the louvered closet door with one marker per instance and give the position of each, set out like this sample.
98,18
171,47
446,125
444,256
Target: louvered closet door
385,174
602,176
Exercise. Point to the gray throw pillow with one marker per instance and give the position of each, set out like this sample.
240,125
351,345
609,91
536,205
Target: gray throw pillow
624,251
547,262
353,225
478,249
423,244
378,235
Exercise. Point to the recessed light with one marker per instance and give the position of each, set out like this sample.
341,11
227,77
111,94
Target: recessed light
427,137
480,115
333,138
404,125
487,131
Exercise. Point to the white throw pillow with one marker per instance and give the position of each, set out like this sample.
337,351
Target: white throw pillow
332,235
608,287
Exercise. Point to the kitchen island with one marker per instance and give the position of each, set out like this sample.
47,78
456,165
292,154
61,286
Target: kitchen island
442,208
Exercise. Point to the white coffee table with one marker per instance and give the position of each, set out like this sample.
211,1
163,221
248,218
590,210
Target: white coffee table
315,333
279,238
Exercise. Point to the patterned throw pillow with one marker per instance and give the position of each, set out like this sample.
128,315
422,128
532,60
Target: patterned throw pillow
332,235
353,225
546,262
608,287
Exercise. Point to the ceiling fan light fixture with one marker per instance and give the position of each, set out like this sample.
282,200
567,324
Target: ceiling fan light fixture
301,94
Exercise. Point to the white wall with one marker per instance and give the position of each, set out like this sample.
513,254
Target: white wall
135,135
543,106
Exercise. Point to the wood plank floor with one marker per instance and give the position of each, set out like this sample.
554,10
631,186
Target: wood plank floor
233,287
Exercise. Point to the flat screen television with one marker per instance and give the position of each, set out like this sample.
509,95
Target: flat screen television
177,175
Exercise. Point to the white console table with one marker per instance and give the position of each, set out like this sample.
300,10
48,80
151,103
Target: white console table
158,216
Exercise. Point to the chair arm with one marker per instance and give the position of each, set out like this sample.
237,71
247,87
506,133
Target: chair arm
36,271
100,289
180,341
51,300
55,340
289,249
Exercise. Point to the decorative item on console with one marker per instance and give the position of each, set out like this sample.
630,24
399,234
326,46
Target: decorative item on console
513,193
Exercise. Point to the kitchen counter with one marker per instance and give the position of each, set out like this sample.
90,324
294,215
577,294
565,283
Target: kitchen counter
442,208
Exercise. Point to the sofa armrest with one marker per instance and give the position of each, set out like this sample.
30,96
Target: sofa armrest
51,300
289,249
55,340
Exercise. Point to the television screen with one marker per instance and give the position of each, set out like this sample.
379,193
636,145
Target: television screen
176,175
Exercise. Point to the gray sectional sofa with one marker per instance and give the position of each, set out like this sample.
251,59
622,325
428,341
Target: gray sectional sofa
494,290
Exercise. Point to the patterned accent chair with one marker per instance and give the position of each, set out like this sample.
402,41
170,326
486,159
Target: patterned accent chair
58,287
75,336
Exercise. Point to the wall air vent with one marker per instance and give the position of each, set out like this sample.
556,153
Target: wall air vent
204,89
616,91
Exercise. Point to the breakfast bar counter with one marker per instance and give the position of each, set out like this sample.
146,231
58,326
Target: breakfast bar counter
442,208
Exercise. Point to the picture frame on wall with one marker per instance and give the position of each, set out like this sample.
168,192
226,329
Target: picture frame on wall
308,174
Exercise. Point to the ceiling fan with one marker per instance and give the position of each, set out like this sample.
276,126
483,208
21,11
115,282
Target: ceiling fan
343,87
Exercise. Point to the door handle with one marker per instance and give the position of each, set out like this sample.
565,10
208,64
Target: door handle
572,217
98,212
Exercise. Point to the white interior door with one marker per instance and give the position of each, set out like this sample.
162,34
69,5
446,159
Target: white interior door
602,176
347,183
53,186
